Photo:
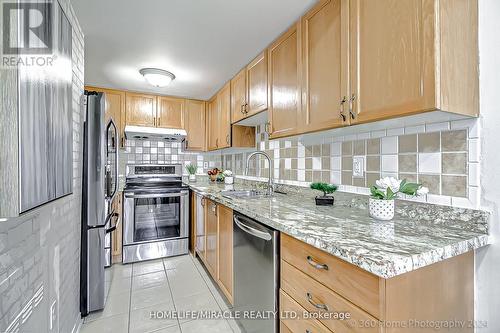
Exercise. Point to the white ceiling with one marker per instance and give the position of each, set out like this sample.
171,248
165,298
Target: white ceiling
204,43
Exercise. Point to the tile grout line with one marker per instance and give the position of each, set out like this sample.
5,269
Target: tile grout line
206,283
171,294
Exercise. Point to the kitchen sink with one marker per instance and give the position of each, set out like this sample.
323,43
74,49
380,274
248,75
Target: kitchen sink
244,194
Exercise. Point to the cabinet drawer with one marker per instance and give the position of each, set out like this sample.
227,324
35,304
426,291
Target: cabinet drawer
297,325
357,285
321,301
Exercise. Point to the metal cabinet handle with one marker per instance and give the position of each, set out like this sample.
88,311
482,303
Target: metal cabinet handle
342,103
314,264
203,201
316,305
158,121
217,142
268,128
214,209
351,108
246,108
242,108
227,139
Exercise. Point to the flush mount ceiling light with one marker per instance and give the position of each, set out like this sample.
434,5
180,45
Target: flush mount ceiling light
157,77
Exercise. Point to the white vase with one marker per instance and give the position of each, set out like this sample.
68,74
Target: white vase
381,209
192,178
229,180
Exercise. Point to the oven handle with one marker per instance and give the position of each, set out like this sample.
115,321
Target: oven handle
150,196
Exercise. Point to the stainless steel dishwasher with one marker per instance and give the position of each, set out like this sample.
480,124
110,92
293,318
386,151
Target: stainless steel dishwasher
256,275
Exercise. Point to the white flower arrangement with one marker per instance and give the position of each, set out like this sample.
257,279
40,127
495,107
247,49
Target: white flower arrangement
228,173
388,188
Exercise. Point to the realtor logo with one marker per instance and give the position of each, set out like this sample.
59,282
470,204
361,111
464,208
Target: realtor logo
33,34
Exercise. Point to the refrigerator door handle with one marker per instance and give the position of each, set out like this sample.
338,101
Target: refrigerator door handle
105,222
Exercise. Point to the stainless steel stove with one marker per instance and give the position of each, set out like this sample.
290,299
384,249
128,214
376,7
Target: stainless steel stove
156,212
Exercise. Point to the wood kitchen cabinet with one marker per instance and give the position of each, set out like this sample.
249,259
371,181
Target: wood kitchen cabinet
221,134
213,119
324,66
116,246
284,88
239,96
213,233
195,125
225,251
211,240
140,109
440,292
422,56
249,89
170,112
257,85
224,117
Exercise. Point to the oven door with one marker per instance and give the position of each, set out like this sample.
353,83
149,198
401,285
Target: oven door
151,217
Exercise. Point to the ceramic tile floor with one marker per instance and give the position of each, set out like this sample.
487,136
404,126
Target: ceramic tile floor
178,283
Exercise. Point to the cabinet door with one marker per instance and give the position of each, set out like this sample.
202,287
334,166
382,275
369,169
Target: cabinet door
325,70
238,96
225,251
224,124
211,237
170,112
140,110
257,85
391,58
284,83
199,225
213,123
195,124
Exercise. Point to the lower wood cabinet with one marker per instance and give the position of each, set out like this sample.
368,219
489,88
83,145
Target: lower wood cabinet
116,239
317,282
225,251
213,229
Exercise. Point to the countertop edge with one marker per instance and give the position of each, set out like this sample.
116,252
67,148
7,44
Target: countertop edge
385,270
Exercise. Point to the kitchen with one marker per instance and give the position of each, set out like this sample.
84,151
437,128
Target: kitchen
328,169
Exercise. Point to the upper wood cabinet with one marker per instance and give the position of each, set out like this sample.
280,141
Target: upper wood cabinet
224,117
257,85
140,109
225,251
411,56
239,96
212,124
170,112
249,89
285,83
325,71
195,125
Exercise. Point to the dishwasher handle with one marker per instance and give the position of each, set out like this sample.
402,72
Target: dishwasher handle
252,231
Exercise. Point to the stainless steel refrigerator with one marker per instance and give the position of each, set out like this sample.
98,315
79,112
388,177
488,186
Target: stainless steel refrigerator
99,185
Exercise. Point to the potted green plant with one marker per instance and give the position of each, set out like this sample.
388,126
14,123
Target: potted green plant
191,169
385,190
325,199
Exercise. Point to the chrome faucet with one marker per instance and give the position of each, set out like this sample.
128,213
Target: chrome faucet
270,184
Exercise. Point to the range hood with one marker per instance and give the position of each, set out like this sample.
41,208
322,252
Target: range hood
155,133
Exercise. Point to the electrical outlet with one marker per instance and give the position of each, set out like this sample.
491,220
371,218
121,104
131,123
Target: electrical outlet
358,166
53,314
205,165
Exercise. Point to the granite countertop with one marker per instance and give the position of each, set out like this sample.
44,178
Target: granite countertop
419,235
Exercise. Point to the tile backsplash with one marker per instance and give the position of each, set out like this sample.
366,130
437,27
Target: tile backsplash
443,156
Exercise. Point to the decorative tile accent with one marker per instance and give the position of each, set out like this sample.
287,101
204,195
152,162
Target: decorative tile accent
454,140
454,186
429,142
408,143
454,163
